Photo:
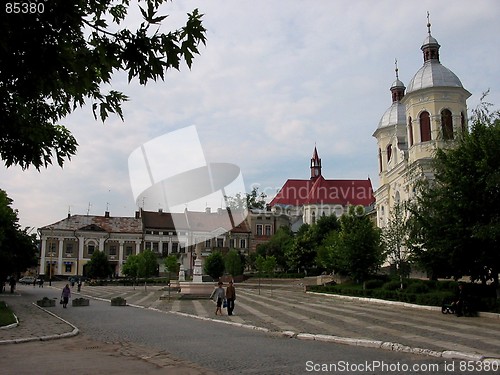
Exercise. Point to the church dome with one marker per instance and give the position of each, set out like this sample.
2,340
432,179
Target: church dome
397,84
433,74
395,114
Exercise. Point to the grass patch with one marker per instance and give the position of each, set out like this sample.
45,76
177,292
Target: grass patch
6,315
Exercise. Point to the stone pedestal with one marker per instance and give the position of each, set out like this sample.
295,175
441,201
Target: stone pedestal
182,273
197,272
196,290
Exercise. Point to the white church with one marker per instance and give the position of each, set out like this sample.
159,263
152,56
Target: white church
428,114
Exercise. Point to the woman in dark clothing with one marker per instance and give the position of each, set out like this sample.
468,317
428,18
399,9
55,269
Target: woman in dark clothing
66,294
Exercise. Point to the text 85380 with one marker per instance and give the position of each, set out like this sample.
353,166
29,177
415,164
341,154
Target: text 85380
24,7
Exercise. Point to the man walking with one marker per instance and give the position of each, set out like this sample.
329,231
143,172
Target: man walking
230,297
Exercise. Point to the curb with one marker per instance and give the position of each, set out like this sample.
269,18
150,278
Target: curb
396,347
73,333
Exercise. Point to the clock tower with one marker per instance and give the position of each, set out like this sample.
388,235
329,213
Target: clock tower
315,165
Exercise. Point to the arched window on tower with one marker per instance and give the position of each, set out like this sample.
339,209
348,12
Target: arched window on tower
410,131
380,160
446,124
425,127
389,152
462,122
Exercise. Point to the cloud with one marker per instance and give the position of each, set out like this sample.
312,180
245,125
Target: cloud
275,78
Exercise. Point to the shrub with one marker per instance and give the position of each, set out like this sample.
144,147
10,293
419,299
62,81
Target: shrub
417,287
447,285
419,292
374,284
392,285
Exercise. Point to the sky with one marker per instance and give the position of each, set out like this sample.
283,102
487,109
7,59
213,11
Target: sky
275,79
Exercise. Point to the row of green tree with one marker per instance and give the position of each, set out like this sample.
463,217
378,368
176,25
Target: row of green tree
351,246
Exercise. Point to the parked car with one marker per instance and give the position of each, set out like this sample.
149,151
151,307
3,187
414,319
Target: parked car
27,280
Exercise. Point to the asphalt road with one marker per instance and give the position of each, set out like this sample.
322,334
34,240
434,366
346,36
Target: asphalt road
126,339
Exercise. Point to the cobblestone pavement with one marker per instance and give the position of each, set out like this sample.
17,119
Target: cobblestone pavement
35,349
293,312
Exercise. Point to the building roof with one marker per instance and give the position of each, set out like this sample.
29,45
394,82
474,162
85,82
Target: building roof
323,191
188,220
394,115
164,220
212,221
98,223
433,74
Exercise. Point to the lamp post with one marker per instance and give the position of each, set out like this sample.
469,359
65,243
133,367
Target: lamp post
50,266
51,254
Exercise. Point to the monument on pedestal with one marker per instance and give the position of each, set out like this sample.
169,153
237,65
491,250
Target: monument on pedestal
196,288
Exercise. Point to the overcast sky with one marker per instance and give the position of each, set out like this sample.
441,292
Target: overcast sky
275,79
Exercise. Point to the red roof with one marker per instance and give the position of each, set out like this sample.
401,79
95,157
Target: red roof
322,191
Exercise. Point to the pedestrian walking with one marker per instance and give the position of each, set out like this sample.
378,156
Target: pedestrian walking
230,297
219,297
12,283
65,295
79,285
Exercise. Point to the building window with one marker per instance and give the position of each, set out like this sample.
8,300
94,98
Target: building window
51,246
175,247
69,249
462,122
207,243
243,243
259,229
268,230
128,250
220,242
90,249
164,249
155,247
446,124
425,127
67,268
380,160
112,249
232,243
410,131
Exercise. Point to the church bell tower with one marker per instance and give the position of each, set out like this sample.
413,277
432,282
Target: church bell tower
315,165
